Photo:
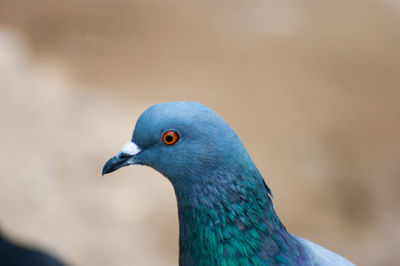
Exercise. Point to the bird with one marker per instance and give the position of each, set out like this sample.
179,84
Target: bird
16,254
225,210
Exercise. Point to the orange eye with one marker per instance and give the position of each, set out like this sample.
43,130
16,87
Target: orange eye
170,137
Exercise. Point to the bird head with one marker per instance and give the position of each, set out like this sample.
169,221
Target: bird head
184,141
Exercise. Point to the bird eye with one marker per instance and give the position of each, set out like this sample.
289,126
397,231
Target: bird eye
170,137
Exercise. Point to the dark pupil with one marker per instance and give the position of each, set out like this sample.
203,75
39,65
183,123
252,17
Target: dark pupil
169,138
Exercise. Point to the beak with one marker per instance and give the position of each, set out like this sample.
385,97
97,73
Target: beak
125,157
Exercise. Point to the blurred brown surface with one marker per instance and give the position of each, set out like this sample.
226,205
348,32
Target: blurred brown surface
312,88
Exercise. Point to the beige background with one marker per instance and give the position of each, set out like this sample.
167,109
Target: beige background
311,87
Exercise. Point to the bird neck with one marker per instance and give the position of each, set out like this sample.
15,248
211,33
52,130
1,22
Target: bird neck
226,219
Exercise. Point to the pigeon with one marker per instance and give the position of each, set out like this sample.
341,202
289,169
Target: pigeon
225,210
14,254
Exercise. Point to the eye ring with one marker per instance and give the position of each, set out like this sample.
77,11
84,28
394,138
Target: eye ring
170,137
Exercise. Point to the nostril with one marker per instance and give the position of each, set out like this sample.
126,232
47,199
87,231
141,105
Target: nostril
124,155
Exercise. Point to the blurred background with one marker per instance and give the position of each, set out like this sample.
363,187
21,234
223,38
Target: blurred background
311,87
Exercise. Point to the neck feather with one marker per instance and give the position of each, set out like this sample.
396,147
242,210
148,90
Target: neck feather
226,218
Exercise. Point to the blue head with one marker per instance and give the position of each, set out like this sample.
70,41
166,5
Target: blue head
204,142
223,204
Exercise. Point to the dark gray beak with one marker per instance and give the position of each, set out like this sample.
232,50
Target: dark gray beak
126,157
